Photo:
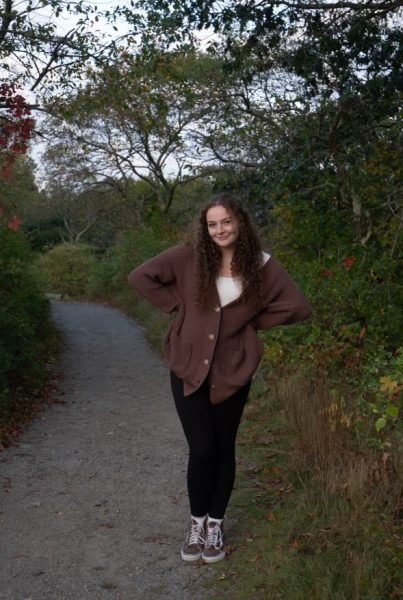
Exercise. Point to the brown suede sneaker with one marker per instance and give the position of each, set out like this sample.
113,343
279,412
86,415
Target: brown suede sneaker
214,549
193,547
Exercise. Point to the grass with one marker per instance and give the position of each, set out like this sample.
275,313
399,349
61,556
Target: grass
301,526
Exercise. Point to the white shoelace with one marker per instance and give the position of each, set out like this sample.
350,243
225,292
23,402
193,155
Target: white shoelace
196,534
214,536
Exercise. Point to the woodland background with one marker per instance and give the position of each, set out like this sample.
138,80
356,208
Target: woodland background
136,113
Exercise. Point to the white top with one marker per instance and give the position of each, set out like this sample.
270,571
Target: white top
230,288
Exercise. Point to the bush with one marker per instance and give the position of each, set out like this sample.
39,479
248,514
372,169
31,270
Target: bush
67,269
43,235
102,283
139,245
109,276
25,325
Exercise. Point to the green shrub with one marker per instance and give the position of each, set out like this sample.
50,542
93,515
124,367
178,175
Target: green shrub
25,325
102,283
67,269
139,245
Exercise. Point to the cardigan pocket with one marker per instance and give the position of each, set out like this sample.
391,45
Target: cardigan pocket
236,358
231,366
242,363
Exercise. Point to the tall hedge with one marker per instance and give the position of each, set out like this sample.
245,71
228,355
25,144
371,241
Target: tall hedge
25,326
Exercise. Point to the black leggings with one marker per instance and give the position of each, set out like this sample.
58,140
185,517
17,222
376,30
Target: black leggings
211,432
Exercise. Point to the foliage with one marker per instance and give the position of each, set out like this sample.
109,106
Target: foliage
356,327
26,333
261,27
66,269
16,127
18,191
43,234
27,336
37,48
21,199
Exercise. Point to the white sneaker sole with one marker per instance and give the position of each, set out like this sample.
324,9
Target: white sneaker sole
190,557
213,559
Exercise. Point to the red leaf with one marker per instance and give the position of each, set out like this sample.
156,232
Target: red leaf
349,262
15,223
327,272
6,171
19,148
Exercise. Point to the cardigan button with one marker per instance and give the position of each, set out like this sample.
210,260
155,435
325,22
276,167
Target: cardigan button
212,386
206,361
211,336
217,308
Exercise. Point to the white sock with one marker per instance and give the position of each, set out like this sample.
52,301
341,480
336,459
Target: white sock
200,520
213,520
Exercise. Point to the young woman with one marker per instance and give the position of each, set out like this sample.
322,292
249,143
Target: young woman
223,288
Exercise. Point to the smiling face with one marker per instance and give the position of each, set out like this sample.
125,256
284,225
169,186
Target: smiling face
223,227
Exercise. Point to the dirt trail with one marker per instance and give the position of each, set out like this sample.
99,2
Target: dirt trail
92,500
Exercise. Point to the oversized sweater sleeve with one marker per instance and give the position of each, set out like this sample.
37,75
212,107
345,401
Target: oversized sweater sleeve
156,279
285,304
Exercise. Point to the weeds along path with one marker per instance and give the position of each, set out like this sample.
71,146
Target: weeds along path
92,500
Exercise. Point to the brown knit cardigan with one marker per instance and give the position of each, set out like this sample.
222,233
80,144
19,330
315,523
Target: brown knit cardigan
219,343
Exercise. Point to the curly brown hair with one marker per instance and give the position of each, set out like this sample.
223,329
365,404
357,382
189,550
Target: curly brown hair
246,262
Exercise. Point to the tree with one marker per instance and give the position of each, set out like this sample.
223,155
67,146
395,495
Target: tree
94,215
140,120
252,21
317,89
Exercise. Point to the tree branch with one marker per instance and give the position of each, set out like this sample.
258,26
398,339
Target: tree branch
7,17
382,6
52,59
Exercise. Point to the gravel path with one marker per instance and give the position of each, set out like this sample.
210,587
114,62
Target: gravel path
93,500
